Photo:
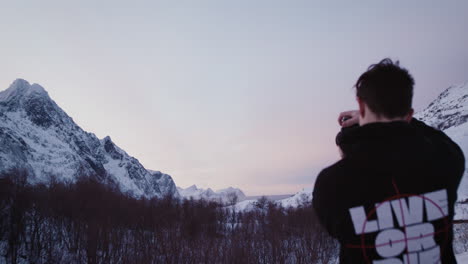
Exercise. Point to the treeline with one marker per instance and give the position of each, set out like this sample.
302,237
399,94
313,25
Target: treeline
89,222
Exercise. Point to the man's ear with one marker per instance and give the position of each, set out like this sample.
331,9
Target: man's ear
409,116
362,107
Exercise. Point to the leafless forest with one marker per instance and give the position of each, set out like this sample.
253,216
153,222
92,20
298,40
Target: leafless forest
89,222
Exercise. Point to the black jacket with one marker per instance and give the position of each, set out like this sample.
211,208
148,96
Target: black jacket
391,198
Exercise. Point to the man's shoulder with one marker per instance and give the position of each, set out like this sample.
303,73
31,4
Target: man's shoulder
442,142
434,135
334,171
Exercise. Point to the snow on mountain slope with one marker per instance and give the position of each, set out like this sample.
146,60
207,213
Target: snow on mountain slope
223,195
247,205
449,109
459,134
462,258
449,112
164,182
300,198
232,191
37,135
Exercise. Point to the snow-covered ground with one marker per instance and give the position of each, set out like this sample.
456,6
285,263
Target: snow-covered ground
462,258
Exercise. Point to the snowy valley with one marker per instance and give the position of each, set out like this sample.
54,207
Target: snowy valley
181,225
39,136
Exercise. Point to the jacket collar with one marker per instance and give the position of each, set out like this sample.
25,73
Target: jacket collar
376,135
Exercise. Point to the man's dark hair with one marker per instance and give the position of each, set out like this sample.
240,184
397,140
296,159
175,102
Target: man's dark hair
386,88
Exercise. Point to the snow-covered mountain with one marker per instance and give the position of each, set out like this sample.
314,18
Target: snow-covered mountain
449,109
449,112
224,195
300,198
37,135
228,192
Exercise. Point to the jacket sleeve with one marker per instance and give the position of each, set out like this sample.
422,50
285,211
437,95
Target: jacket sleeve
325,202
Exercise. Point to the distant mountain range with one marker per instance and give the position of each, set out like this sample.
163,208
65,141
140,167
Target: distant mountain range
227,195
300,198
37,135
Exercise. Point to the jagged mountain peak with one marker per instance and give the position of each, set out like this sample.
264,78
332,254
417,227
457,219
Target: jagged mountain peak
193,187
449,109
21,88
33,101
231,190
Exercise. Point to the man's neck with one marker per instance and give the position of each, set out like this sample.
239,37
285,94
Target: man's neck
367,116
372,118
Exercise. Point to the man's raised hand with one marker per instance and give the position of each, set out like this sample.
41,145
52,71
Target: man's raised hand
348,118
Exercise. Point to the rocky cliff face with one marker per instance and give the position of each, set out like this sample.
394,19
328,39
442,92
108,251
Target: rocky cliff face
449,109
37,135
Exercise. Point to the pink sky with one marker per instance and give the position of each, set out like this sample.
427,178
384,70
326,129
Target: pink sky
226,93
